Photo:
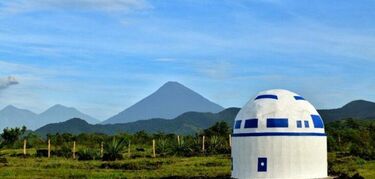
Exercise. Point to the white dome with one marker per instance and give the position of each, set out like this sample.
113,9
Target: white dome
278,110
278,134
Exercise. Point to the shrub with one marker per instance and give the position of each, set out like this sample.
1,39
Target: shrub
113,150
3,160
42,152
345,167
182,148
163,147
64,151
88,154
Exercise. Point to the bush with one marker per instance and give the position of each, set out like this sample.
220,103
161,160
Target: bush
345,167
163,147
42,152
3,160
217,145
88,154
182,149
113,150
140,165
64,151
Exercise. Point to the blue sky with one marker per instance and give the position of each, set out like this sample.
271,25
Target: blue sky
102,56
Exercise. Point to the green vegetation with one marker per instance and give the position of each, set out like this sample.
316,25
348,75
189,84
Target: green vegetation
57,167
350,145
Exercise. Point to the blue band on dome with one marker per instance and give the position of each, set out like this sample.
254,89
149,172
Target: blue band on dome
256,134
299,98
265,96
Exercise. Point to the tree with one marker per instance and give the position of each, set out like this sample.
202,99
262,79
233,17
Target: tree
11,135
219,129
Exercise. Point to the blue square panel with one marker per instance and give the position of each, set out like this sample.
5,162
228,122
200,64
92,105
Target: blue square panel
299,124
307,124
262,164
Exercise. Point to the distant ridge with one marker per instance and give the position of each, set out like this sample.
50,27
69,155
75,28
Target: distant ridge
169,101
187,123
12,116
191,122
358,109
60,113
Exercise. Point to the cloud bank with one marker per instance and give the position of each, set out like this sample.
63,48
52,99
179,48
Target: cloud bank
6,82
22,6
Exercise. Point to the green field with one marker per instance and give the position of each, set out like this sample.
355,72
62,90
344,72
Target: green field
217,166
57,167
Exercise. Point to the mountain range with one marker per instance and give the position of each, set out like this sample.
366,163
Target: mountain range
169,101
186,123
12,116
192,122
173,108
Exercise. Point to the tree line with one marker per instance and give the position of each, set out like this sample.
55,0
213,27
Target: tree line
351,142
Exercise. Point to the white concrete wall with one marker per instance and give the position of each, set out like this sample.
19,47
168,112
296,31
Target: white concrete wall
287,156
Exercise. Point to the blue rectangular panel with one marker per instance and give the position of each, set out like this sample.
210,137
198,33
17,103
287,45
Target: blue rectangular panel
318,122
237,124
277,122
307,124
251,123
262,164
299,124
299,98
266,96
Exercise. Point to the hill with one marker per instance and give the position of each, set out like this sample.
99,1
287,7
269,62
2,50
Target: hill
60,113
191,122
169,101
358,109
12,116
186,123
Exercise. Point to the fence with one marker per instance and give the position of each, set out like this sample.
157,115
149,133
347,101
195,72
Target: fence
154,148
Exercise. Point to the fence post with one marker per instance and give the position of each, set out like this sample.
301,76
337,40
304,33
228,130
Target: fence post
24,147
49,148
153,148
203,138
101,149
178,140
74,150
129,149
230,140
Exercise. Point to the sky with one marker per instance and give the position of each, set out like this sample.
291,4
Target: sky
102,56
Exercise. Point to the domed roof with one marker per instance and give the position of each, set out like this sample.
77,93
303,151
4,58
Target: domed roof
278,110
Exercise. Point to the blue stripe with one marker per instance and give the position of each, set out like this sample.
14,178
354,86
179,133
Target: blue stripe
251,123
277,122
269,96
299,98
256,134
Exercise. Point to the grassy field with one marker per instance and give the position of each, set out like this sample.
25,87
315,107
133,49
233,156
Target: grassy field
143,167
368,170
56,167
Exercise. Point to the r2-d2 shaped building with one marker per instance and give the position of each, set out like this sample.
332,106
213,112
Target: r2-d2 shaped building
278,134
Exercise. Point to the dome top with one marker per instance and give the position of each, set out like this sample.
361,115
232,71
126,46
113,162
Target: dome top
278,111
